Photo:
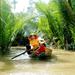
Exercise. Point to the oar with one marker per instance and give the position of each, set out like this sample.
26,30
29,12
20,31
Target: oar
19,54
23,53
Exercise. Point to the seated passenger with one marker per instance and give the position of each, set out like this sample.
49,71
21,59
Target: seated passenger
41,49
34,42
40,52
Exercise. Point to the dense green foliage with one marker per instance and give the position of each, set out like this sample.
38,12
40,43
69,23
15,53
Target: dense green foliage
56,20
10,25
60,19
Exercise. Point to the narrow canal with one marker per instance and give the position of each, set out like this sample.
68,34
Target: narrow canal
61,63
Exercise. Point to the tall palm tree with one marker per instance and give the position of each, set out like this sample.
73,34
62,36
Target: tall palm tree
60,18
68,15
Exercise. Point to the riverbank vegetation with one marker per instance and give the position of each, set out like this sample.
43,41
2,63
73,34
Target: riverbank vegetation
56,19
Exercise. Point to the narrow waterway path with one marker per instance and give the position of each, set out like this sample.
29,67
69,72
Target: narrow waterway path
62,63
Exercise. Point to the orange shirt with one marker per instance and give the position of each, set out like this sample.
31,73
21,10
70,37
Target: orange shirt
34,42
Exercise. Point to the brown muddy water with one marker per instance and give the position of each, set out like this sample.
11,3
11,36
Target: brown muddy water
61,63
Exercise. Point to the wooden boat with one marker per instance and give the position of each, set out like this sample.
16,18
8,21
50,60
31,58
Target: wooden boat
47,54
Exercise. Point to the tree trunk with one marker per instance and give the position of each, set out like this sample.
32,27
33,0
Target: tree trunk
68,40
70,3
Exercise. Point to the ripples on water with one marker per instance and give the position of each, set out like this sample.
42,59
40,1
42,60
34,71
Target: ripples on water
27,66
